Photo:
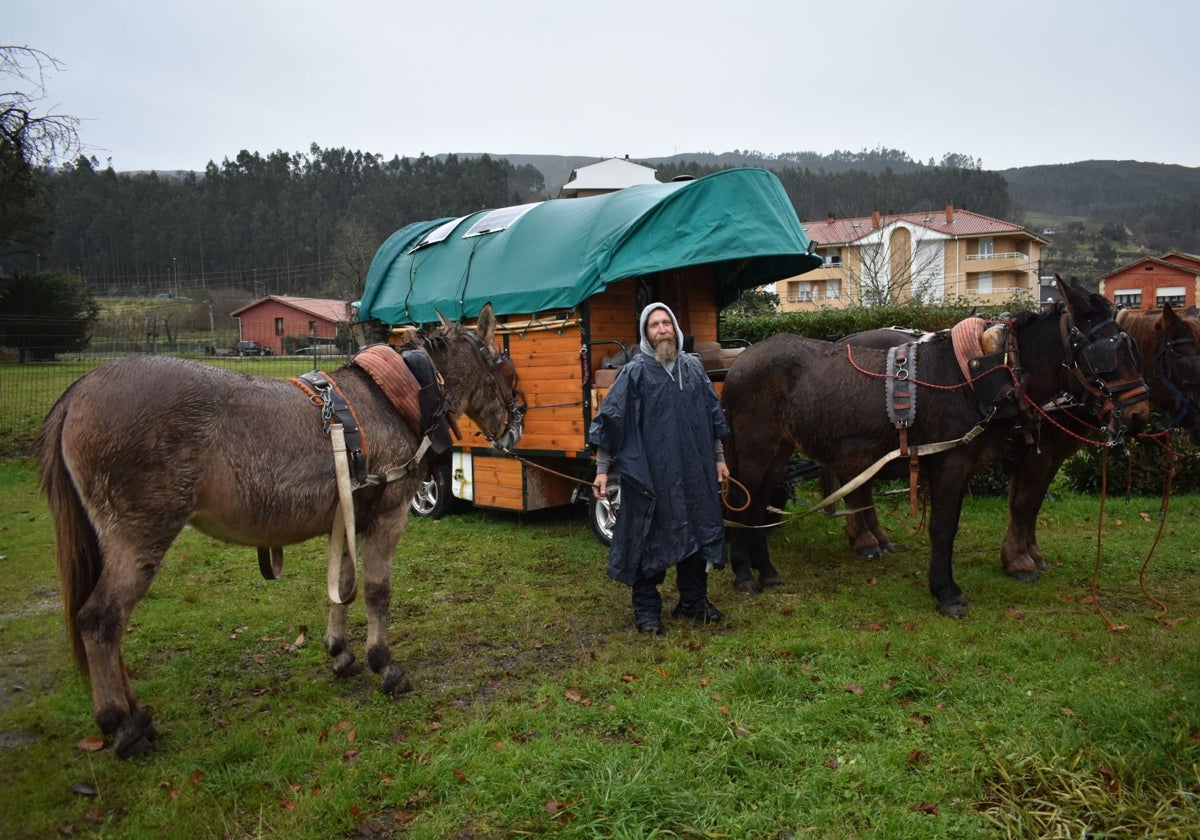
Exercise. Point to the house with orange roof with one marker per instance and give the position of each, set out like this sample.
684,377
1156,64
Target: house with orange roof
1148,283
269,320
930,256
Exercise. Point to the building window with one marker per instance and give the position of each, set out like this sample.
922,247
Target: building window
833,259
833,289
985,283
1128,298
987,247
1174,295
278,326
800,292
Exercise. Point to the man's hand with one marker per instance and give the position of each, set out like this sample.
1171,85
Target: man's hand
600,485
722,472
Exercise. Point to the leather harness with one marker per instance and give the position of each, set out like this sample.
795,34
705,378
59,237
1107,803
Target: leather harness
412,385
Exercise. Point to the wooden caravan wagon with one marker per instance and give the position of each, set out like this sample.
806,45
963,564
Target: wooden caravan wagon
567,279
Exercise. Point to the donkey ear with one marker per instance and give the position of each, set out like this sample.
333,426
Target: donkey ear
446,322
1169,318
485,327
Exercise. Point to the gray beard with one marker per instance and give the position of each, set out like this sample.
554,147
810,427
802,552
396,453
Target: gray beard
665,352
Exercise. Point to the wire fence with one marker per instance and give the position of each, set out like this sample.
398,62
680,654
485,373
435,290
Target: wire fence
29,389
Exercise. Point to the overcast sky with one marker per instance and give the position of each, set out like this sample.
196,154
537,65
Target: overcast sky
174,85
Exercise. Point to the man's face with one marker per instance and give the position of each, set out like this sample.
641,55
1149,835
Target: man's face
659,328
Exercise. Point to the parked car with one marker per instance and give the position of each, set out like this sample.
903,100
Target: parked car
252,348
320,350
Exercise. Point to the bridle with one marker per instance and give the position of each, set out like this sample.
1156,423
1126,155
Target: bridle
1094,360
503,375
1181,381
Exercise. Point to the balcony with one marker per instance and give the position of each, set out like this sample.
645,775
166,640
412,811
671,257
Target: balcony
1007,255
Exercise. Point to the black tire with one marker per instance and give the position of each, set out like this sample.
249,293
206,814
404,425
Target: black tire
603,513
434,499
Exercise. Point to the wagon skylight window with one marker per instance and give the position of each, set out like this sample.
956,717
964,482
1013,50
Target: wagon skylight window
437,234
498,220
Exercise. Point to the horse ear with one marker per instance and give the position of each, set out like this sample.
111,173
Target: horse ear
1169,316
485,327
1074,295
446,322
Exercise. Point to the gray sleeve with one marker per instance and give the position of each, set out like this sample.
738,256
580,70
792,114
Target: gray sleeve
603,461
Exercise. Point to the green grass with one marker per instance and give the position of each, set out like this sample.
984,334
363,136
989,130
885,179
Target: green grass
839,705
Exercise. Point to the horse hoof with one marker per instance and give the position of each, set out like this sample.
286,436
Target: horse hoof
395,682
1025,577
746,587
958,609
770,580
872,553
894,548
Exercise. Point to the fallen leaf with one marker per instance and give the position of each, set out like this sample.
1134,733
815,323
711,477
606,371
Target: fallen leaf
460,775
854,688
916,757
572,695
92,744
288,804
874,626
628,678
832,763
84,789
553,806
926,808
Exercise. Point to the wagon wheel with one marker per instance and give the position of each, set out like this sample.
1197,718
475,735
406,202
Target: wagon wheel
603,512
434,498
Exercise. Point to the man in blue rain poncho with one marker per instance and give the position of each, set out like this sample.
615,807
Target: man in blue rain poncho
660,429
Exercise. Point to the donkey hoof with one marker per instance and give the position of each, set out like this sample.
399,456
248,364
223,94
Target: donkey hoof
746,587
136,739
767,581
395,682
871,553
343,664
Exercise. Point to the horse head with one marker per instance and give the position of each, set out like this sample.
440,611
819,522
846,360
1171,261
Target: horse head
1175,378
485,378
1104,362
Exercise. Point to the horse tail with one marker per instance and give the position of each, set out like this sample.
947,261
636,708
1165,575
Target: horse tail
78,547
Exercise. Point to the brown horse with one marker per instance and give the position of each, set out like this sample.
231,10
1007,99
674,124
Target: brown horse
140,447
789,393
1168,346
1170,351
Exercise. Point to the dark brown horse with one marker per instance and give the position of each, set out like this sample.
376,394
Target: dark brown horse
1170,351
139,448
789,393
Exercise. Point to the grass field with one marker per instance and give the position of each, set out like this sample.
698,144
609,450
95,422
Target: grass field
839,705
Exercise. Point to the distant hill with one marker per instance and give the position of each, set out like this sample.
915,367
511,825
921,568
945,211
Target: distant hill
1103,190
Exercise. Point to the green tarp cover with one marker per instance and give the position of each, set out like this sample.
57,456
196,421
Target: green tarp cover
561,252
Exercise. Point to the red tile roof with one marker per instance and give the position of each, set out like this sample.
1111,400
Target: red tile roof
329,310
836,231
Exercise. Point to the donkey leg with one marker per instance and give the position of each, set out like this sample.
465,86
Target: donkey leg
102,621
336,643
378,597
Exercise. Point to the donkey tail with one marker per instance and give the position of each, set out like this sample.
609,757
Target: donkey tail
78,547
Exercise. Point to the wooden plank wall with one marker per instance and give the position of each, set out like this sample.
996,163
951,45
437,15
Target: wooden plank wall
550,367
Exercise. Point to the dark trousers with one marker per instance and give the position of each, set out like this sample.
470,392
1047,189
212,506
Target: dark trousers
690,579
